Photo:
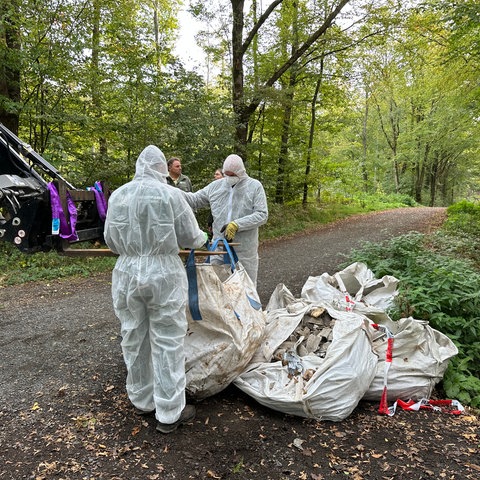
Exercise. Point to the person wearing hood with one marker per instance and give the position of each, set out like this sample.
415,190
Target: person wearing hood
147,223
239,207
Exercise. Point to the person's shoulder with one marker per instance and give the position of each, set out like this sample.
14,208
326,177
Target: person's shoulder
121,189
176,195
254,181
184,178
172,190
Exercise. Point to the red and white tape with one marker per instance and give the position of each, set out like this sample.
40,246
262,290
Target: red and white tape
453,407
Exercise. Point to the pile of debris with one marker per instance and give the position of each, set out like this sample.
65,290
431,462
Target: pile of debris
313,335
316,356
336,345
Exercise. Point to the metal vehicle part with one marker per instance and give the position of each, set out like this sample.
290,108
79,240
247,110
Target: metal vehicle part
25,207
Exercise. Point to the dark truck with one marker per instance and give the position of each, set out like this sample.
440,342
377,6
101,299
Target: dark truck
26,202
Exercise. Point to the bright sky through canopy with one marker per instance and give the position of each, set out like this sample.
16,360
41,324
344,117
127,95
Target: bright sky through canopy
186,48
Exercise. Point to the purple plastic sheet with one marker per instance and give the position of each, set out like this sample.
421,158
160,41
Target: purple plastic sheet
100,200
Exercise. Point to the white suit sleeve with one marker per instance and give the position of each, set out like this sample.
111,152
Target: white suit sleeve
189,234
198,199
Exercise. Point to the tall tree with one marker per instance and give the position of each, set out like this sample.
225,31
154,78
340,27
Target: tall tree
311,135
289,17
10,65
244,107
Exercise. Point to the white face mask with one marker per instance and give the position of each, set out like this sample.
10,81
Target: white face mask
232,180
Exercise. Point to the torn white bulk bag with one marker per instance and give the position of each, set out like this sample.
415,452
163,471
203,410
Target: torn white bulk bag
309,386
225,325
280,298
353,287
420,357
281,323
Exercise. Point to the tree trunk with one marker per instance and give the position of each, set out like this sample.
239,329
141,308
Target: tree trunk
311,136
10,66
242,118
433,181
156,27
282,169
96,92
392,139
364,141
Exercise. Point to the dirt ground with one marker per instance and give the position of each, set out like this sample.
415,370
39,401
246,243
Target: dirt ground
64,413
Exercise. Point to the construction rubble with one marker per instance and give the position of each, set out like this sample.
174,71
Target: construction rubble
324,352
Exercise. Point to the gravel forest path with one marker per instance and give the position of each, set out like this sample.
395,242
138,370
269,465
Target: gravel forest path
64,413
291,261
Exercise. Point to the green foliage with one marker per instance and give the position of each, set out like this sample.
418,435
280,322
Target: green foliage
99,84
440,286
381,200
463,207
461,383
464,216
238,467
456,244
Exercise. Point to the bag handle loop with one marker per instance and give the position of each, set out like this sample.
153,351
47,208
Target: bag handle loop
230,257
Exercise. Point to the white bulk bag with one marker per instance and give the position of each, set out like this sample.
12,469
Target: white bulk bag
356,280
329,388
225,325
420,357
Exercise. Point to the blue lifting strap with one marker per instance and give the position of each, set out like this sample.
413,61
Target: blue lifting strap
193,287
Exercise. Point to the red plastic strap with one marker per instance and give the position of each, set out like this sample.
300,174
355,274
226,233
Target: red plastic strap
389,352
451,407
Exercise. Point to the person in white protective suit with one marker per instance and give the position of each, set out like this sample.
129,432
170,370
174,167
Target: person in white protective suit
239,206
147,222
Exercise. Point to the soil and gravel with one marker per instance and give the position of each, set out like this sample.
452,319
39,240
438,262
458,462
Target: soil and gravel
64,413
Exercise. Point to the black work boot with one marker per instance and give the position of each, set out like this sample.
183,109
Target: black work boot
188,414
143,413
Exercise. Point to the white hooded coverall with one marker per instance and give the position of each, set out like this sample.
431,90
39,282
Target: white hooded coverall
245,204
147,221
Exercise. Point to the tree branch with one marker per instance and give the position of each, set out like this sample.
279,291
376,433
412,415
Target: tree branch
308,43
259,23
298,53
